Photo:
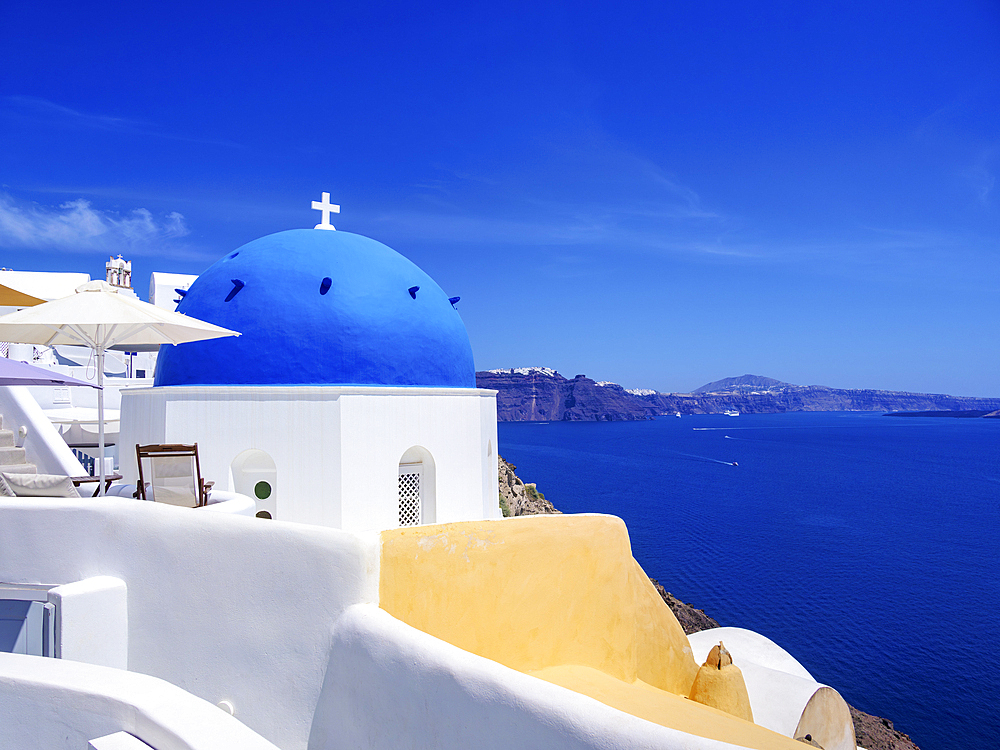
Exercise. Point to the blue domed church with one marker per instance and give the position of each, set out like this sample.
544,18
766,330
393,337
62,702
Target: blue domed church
349,399
363,313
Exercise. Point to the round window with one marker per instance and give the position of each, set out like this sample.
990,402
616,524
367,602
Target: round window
263,514
262,490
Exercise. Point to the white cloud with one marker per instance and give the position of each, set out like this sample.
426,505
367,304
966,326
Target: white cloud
581,189
75,226
44,111
981,177
42,108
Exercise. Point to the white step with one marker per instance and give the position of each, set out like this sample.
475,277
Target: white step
19,468
6,438
12,455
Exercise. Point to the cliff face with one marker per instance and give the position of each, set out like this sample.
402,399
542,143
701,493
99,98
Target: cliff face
542,395
692,620
518,498
812,398
538,396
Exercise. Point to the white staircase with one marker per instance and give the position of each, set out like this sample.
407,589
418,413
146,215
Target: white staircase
12,458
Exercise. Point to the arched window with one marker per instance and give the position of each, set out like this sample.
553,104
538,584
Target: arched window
416,487
410,494
255,475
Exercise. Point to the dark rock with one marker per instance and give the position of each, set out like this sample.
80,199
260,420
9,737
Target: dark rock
968,414
538,395
518,498
876,733
692,620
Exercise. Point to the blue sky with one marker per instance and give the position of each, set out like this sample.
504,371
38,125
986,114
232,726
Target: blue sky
657,194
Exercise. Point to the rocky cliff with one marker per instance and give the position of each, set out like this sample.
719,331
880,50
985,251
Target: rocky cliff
538,394
518,498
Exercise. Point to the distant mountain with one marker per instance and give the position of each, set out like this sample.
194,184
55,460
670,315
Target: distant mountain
540,394
742,383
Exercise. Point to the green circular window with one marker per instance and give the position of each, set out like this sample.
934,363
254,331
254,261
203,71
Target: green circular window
262,490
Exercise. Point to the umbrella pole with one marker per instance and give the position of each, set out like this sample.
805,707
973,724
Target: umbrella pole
100,414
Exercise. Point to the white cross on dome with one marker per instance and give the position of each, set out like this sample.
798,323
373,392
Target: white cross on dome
327,208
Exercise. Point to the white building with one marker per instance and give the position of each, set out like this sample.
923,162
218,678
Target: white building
349,400
396,609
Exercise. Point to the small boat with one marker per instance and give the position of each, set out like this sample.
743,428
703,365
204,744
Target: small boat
731,413
677,414
735,464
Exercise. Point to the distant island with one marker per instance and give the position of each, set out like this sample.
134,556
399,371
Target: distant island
540,394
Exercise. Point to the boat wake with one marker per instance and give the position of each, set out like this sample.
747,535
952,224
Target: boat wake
705,458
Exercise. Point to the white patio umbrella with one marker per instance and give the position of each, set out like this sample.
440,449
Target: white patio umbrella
98,317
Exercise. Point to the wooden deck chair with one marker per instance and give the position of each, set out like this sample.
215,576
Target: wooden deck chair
171,474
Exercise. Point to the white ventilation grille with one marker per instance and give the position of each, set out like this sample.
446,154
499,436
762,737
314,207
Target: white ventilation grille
409,495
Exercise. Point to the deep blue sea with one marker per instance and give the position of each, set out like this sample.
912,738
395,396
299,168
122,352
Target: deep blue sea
867,546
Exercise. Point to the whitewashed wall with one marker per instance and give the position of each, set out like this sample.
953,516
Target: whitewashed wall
280,620
336,449
784,697
50,704
392,686
226,607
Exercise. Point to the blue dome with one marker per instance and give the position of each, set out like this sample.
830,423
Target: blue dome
320,307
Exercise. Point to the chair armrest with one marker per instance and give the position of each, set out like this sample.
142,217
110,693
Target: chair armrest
206,487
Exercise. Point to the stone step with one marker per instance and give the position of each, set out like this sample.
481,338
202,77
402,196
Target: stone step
6,438
19,468
12,456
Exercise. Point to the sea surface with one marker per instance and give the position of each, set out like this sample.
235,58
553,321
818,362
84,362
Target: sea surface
867,546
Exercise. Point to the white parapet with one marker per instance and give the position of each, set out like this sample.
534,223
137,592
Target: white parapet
389,685
228,608
52,704
92,621
784,697
117,741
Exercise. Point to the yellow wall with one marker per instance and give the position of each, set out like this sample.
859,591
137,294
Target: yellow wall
560,598
667,709
536,592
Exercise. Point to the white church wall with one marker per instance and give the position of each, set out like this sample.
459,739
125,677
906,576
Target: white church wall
321,476
229,608
383,425
297,428
489,447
